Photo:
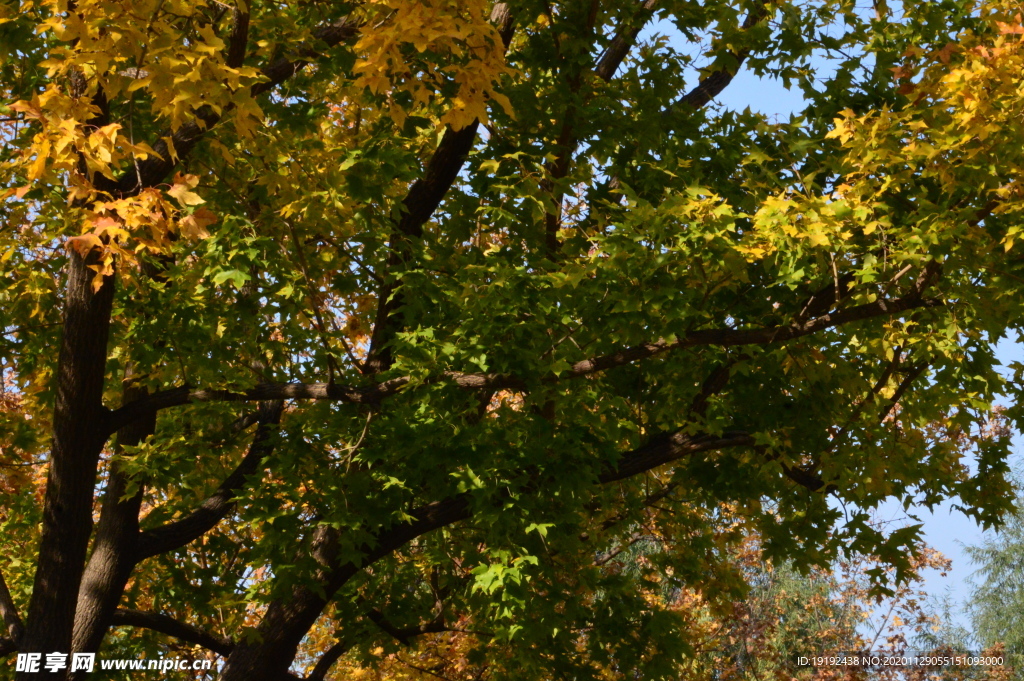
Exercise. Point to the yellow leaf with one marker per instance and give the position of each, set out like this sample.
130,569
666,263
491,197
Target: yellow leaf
184,195
398,115
503,101
38,167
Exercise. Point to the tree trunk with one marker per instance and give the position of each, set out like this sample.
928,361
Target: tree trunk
78,438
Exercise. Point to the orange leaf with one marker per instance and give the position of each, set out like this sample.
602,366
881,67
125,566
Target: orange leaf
194,226
946,52
84,244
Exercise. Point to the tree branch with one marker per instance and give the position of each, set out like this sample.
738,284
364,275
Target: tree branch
766,336
827,298
423,198
805,475
111,557
177,397
567,141
327,660
286,622
165,624
669,447
79,433
712,385
722,337
402,635
806,478
712,84
912,375
861,403
182,532
238,41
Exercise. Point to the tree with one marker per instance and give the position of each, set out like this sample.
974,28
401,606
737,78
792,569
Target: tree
323,320
995,600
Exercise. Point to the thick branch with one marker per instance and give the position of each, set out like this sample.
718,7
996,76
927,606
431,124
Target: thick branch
404,634
503,19
165,624
78,438
426,193
765,336
177,397
238,41
827,298
568,137
111,560
181,532
623,41
670,447
9,612
423,198
713,384
710,86
327,660
806,478
912,375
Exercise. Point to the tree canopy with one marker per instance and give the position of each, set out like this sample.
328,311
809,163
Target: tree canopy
327,325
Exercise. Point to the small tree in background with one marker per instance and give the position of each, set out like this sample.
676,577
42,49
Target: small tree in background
996,603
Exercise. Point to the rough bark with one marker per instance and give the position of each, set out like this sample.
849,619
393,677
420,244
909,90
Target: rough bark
112,559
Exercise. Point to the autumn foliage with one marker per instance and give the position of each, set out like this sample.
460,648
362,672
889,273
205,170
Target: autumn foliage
364,338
